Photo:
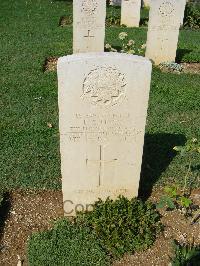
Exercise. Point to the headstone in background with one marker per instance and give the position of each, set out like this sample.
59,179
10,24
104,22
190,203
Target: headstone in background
88,25
163,30
103,99
115,2
183,12
130,13
146,3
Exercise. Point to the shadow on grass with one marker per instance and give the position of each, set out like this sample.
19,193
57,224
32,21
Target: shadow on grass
180,53
157,155
4,211
112,6
144,22
195,167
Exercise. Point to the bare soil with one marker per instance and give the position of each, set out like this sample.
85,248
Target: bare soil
50,64
35,211
65,21
29,212
193,68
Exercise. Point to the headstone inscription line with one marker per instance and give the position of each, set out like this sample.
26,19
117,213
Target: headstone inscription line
163,30
130,13
88,25
102,114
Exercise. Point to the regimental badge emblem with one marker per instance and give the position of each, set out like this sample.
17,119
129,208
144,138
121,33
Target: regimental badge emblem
166,9
104,86
89,7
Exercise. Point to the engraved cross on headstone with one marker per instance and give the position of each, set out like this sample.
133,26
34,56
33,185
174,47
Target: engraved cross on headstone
89,36
101,162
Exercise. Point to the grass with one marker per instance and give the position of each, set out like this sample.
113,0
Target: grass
29,148
66,244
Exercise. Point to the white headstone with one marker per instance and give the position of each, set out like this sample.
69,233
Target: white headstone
146,3
88,25
103,99
130,13
183,12
115,2
163,30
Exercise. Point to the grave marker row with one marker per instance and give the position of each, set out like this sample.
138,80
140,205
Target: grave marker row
102,110
165,19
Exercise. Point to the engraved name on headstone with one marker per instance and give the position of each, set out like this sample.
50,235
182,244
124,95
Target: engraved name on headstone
102,114
163,30
130,13
88,25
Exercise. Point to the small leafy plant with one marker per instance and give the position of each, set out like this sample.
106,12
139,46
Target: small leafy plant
176,197
95,237
191,147
127,46
192,16
112,20
123,225
186,255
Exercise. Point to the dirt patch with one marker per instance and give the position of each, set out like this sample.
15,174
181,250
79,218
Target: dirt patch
29,212
50,64
193,68
65,21
34,211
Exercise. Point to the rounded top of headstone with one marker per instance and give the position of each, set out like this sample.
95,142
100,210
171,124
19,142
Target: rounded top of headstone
97,56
